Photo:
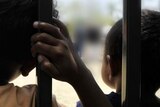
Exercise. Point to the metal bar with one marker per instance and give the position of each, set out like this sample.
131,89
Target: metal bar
131,69
44,92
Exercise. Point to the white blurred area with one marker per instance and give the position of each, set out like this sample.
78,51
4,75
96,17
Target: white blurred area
87,13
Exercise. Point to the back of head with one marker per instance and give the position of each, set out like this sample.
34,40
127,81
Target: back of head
150,65
150,53
113,46
16,20
150,45
16,29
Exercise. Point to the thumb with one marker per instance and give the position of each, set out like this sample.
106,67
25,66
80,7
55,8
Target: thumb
47,66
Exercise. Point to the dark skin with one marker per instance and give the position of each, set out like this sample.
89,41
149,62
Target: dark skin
24,66
15,69
57,58
106,72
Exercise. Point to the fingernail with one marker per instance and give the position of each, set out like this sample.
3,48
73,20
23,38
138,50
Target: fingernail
35,24
43,23
40,58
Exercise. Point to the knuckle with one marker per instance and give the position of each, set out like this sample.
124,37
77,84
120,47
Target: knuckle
38,44
42,36
57,29
63,44
45,66
34,36
59,52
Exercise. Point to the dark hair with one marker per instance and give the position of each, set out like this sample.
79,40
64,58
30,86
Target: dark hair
150,35
150,48
113,46
16,29
16,21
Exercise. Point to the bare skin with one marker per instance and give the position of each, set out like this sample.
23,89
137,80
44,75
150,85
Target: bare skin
110,80
57,58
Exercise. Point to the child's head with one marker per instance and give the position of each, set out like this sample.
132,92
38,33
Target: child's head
150,53
111,69
16,20
150,63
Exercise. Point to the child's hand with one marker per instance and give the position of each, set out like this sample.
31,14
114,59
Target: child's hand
54,52
57,58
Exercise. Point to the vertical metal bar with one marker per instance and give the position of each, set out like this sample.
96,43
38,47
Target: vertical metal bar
44,92
131,53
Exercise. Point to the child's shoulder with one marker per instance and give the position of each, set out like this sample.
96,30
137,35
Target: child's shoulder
18,96
26,93
30,88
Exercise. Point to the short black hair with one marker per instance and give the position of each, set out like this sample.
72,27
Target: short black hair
150,46
16,29
113,46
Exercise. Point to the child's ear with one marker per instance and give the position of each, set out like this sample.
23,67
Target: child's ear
109,69
108,58
107,72
27,67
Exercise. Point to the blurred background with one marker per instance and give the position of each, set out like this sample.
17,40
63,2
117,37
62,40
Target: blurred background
88,22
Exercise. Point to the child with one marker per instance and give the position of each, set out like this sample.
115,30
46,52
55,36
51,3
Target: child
59,60
56,53
16,20
111,70
112,61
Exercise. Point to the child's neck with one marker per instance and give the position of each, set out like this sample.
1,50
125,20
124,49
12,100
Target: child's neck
118,84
